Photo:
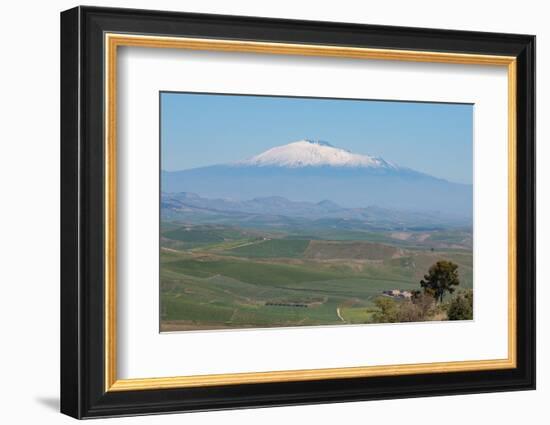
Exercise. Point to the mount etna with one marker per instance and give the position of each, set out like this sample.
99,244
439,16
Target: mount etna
316,171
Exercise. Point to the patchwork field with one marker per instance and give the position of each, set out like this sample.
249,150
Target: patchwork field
216,276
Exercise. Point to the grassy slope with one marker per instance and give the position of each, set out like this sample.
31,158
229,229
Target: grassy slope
235,293
353,250
225,277
272,248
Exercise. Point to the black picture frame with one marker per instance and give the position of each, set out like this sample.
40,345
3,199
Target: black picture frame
83,392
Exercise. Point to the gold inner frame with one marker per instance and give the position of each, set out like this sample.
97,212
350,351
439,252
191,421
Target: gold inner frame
113,41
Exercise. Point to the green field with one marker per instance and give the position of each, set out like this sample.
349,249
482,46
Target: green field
272,248
220,276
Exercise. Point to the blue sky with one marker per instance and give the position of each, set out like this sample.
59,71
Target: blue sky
206,129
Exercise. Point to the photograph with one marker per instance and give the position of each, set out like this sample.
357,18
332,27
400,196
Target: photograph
280,211
280,208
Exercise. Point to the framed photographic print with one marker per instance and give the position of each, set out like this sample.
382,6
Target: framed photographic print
261,212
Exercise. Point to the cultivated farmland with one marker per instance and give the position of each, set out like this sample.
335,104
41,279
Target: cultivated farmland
216,276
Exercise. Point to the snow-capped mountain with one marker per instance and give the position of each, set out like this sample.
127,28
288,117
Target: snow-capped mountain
312,171
311,153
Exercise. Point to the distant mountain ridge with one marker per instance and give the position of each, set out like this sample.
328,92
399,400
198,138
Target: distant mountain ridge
183,204
313,171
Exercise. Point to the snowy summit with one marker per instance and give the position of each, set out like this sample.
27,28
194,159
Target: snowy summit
311,153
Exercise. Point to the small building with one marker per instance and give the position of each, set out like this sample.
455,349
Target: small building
398,293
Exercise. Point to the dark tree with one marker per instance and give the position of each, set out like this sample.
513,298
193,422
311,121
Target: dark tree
441,278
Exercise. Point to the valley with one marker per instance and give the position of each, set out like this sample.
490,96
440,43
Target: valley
216,276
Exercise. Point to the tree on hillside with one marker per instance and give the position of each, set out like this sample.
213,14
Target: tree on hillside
388,311
441,278
391,311
462,307
409,312
425,302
